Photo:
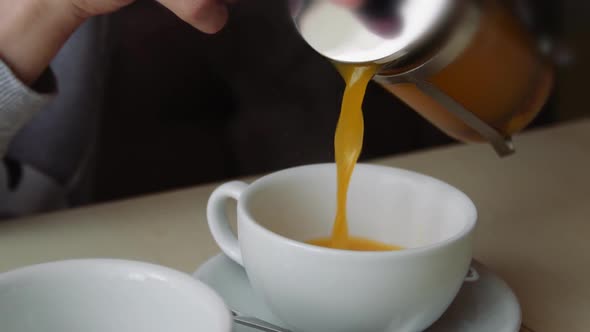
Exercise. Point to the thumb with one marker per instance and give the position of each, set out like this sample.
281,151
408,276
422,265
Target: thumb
349,3
208,16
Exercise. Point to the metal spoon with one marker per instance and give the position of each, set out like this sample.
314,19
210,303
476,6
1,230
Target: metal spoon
256,323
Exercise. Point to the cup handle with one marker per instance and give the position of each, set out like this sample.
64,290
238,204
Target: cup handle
218,222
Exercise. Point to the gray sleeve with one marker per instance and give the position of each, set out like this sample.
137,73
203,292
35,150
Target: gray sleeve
18,102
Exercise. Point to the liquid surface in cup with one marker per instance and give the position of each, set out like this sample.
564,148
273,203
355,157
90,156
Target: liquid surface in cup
348,143
356,244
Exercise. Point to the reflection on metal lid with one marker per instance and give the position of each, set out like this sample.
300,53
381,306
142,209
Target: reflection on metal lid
380,31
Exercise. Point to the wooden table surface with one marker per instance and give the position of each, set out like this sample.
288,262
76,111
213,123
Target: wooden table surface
533,228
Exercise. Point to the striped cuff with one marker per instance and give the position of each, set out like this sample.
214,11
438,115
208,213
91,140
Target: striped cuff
19,103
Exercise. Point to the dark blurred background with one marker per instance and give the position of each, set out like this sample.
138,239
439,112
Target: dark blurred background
185,108
171,107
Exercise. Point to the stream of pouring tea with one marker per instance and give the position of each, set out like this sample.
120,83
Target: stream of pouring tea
348,143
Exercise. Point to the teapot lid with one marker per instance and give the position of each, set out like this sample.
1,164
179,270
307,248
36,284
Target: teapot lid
379,31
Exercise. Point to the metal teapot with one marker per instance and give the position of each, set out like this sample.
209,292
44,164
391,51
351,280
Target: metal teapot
468,66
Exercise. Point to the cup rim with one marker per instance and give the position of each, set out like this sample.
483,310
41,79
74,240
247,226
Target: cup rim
206,293
466,230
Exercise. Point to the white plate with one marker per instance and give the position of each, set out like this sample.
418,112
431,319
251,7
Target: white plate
487,305
108,295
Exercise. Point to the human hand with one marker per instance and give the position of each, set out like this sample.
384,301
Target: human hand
349,3
33,31
208,16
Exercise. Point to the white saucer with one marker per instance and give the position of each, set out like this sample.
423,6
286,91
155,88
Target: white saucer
487,305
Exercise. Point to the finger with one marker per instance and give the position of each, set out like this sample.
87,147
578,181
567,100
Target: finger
349,3
208,16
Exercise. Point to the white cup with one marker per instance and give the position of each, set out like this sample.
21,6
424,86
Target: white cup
107,295
316,289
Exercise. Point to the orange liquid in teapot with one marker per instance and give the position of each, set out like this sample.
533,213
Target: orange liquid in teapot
500,77
348,143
